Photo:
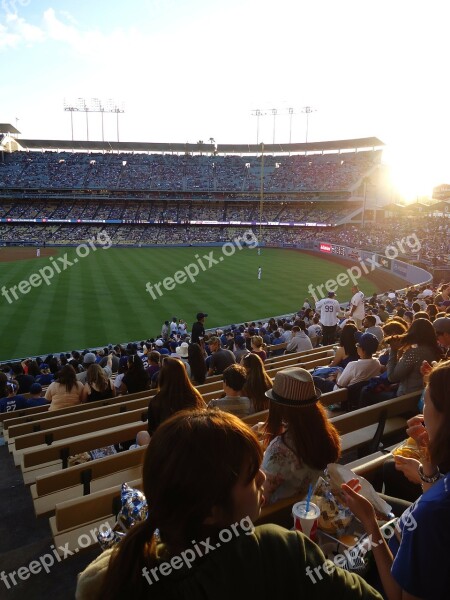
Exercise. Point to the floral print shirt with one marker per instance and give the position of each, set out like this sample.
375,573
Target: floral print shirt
287,475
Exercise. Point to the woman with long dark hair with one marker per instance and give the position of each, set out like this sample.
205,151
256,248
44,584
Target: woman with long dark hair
65,390
408,351
98,386
347,351
257,383
203,485
175,392
136,378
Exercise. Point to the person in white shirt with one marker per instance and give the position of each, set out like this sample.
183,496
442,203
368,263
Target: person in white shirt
357,306
365,367
173,326
329,310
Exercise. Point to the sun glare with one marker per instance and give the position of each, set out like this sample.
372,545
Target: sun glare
414,175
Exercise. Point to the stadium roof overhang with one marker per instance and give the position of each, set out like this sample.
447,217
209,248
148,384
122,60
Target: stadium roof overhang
7,128
70,145
354,144
99,146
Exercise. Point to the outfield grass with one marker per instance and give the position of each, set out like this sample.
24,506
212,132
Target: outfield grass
102,299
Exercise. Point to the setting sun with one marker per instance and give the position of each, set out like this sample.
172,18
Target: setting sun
413,175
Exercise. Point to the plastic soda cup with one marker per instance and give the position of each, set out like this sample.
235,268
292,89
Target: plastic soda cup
306,522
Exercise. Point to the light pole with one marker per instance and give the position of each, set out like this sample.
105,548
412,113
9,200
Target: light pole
257,113
291,112
274,112
308,110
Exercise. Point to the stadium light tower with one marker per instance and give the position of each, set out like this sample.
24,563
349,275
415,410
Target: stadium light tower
257,113
291,112
94,105
274,113
112,106
307,110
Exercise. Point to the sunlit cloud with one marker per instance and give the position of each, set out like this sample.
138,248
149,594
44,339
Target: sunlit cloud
15,30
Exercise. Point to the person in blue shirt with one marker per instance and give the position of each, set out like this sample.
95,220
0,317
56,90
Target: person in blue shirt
12,401
414,565
36,398
45,377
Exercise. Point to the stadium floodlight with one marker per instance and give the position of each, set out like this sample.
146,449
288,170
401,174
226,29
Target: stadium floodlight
274,113
290,112
95,105
257,113
307,110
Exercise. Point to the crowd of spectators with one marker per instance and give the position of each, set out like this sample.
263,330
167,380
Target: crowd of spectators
184,172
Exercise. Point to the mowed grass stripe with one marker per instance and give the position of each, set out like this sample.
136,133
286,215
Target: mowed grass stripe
102,299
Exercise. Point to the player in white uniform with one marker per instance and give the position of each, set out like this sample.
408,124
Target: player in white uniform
259,272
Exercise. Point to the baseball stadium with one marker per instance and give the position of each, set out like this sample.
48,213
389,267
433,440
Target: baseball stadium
113,254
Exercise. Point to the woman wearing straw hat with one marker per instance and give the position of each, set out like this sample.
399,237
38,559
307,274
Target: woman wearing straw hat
300,440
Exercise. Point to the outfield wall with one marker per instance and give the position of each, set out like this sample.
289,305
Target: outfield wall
412,275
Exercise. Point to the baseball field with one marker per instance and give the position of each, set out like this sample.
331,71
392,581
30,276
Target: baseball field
66,299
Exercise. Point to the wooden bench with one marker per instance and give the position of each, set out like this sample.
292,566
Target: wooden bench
56,420
83,515
82,480
52,458
310,352
57,434
367,427
40,415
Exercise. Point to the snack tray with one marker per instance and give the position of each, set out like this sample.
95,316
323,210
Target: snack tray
354,528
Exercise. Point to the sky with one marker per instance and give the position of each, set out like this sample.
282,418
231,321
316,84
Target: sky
189,70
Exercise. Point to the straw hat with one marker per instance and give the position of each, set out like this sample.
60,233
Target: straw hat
294,387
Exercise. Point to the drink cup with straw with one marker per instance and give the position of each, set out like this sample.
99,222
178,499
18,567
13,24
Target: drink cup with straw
306,516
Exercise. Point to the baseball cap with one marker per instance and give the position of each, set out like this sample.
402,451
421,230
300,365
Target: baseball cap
201,315
89,358
43,366
442,325
159,343
331,294
35,388
164,351
367,341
